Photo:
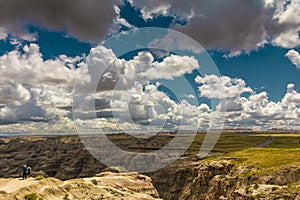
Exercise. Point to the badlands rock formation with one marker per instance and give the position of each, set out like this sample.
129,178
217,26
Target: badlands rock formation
107,185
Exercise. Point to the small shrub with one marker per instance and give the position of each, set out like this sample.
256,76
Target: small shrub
249,176
94,181
66,197
39,177
68,188
274,188
32,196
247,189
256,186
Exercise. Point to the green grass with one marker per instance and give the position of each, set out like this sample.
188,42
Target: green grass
228,142
236,142
282,152
285,141
267,158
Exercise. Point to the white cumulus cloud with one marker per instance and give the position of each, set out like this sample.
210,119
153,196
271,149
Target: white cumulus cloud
33,89
294,57
213,86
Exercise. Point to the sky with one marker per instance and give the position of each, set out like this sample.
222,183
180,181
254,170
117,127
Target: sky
236,62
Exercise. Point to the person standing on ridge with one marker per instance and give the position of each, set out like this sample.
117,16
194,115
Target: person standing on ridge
28,170
24,170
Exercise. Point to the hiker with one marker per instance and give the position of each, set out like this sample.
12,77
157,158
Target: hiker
28,170
24,170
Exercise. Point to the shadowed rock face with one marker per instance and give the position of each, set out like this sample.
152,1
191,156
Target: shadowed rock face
222,179
60,157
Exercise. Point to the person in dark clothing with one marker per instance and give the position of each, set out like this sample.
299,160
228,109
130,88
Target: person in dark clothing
28,170
24,170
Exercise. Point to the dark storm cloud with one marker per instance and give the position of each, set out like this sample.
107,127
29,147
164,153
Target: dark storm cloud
85,19
232,24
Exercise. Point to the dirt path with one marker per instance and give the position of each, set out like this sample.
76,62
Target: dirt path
11,185
265,143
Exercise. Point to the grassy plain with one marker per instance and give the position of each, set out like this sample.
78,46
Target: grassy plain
283,151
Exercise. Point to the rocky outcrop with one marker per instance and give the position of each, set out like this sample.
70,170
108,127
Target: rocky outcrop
189,179
207,180
108,185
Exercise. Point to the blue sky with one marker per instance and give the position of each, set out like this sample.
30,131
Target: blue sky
255,54
263,70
